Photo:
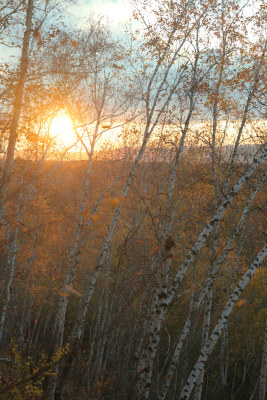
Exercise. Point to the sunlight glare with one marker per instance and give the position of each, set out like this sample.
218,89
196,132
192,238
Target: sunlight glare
61,128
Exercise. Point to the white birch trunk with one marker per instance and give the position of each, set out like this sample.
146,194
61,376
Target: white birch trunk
205,353
150,126
107,241
12,259
8,296
145,367
165,297
245,115
263,374
210,226
205,336
208,305
69,276
175,359
230,242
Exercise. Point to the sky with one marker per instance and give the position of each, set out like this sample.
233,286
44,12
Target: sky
118,12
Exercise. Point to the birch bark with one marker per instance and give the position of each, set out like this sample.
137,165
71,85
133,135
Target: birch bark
164,296
12,256
210,226
206,352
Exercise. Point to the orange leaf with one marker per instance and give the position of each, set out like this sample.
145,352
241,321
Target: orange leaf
241,302
113,201
75,44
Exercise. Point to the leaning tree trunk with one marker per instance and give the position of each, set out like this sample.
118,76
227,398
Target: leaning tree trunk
205,335
208,306
206,352
82,315
202,239
145,367
17,106
165,296
175,358
12,250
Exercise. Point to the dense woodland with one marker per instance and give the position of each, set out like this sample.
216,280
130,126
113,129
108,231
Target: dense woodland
132,253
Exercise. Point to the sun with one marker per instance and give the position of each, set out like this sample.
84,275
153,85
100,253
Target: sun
61,128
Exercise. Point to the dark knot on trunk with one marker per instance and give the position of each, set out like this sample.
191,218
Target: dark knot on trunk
169,243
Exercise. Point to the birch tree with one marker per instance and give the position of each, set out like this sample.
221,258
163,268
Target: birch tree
140,257
5,179
220,324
